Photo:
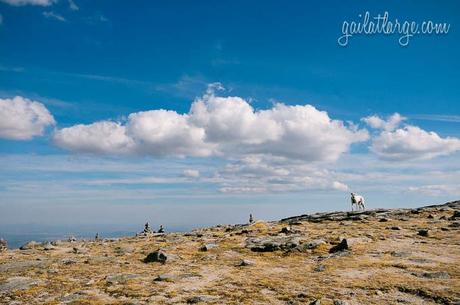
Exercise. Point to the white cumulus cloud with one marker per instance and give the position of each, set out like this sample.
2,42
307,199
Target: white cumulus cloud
227,127
413,143
391,123
167,133
102,137
22,119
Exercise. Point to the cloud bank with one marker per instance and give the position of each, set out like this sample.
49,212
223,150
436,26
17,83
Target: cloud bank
218,126
22,119
408,142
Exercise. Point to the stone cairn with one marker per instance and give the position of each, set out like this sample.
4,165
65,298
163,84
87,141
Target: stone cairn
147,230
3,245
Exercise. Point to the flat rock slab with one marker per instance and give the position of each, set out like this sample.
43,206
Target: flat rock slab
18,283
274,243
120,278
20,266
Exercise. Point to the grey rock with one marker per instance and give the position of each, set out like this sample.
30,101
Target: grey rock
207,247
123,250
245,262
320,268
18,283
196,300
79,250
423,233
165,278
47,246
69,261
275,243
340,302
120,278
316,302
3,245
436,275
343,245
400,254
20,266
313,244
156,256
56,243
29,245
72,239
286,230
396,228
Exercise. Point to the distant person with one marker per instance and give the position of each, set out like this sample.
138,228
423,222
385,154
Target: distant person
161,229
251,219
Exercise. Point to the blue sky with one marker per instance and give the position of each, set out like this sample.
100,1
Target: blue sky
100,61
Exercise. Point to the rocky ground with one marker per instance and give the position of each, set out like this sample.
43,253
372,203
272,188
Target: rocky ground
398,256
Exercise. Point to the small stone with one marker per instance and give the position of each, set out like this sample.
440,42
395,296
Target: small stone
444,229
68,261
431,216
165,278
320,268
456,214
316,302
156,256
383,219
396,228
72,239
340,302
245,262
423,233
207,247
